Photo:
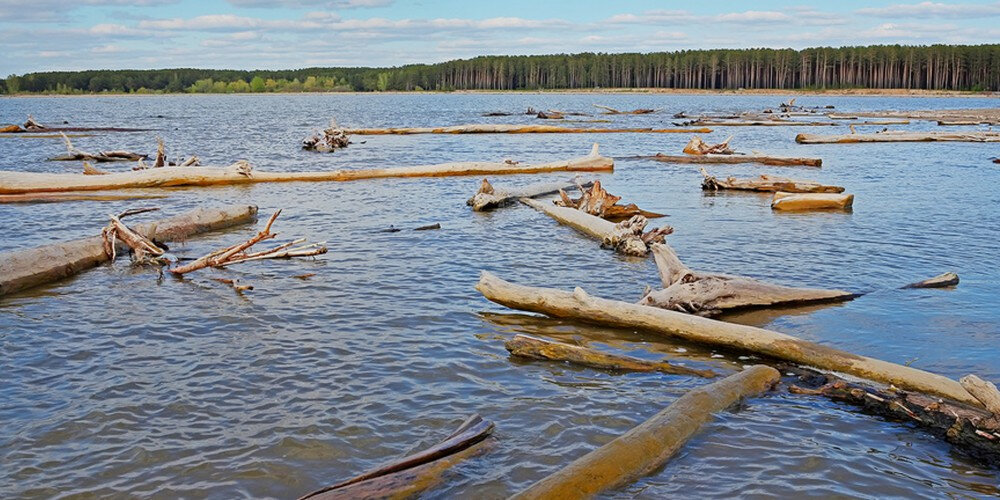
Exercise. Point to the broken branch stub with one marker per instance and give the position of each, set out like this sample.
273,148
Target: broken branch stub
597,201
626,237
698,147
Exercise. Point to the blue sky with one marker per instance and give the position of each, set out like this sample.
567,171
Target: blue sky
42,35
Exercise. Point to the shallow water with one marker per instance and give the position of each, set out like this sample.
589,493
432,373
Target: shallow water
119,383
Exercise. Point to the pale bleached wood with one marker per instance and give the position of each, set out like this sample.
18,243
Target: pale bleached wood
899,136
485,128
940,281
626,237
490,197
766,183
811,201
780,161
983,390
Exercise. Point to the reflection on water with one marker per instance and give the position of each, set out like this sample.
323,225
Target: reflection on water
119,383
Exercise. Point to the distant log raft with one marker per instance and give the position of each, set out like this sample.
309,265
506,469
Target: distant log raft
535,348
613,111
811,201
242,173
32,125
627,237
414,473
597,201
780,161
74,154
330,139
897,136
766,183
579,305
488,197
21,269
648,446
709,294
940,281
483,128
58,197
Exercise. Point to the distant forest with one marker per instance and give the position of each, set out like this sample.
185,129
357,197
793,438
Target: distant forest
945,67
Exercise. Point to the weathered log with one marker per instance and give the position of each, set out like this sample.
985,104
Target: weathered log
811,201
613,111
488,197
535,348
983,390
240,173
735,158
597,201
756,123
698,147
485,128
766,183
411,474
708,294
330,139
626,237
898,136
939,281
11,129
57,197
141,246
73,154
550,115
21,269
579,305
649,445
32,124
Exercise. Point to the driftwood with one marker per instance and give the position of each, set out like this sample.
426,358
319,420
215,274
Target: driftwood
74,154
550,115
613,111
626,237
409,475
939,281
735,158
597,201
698,147
975,115
579,305
897,136
708,294
996,160
488,197
32,125
649,445
483,128
242,173
327,140
21,269
811,201
766,183
141,246
57,197
755,123
525,346
985,391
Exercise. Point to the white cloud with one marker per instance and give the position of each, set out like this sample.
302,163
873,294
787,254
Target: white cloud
754,16
935,9
331,4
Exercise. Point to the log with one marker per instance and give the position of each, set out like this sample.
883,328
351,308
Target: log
756,123
709,294
736,158
330,139
626,237
985,391
613,111
579,305
811,201
411,474
485,128
22,269
488,197
698,147
649,445
550,115
73,154
11,129
241,173
940,281
897,136
525,346
766,183
57,197
597,201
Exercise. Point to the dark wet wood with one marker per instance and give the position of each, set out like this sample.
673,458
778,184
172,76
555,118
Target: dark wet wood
525,346
940,281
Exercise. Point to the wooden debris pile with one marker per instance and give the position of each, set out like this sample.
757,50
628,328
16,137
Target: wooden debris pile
597,201
488,197
330,139
143,249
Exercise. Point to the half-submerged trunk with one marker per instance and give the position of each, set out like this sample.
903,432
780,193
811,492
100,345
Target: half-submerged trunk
535,348
57,197
811,201
627,237
943,280
485,128
897,136
715,159
766,183
489,197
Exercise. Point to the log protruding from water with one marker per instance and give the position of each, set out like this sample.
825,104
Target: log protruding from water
486,128
983,390
766,183
714,159
943,280
488,197
628,237
697,147
649,445
525,346
899,136
613,111
74,154
811,201
329,139
597,201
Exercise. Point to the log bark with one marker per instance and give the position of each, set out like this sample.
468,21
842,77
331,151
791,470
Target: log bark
766,183
488,197
649,445
626,237
897,136
581,306
22,269
525,346
57,197
241,173
709,294
413,473
939,281
985,391
811,201
736,158
485,128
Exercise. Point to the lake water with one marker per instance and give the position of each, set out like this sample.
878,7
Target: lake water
117,383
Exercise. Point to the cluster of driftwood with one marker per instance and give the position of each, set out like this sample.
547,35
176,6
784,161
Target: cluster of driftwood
698,151
329,139
74,154
597,201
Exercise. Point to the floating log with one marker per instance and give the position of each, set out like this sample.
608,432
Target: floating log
21,269
242,173
985,391
613,111
44,136
11,129
485,128
940,281
649,445
626,237
550,115
597,201
756,123
811,201
579,305
708,294
735,158
698,147
488,197
525,346
766,183
898,136
409,475
330,139
57,197
73,154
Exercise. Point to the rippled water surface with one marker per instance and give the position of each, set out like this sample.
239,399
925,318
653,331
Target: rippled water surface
119,383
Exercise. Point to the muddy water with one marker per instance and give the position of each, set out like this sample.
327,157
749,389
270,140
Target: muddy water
118,383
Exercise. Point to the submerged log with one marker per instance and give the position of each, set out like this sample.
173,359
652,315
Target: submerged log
74,154
484,128
940,281
580,305
11,129
811,201
898,136
550,115
241,173
57,197
411,474
698,147
756,123
488,197
21,269
708,294
736,158
536,348
626,237
766,183
649,445
613,111
597,201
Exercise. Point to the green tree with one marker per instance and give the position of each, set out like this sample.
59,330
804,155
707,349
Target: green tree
257,84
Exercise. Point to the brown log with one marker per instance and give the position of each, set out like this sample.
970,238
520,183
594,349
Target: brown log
525,346
736,158
627,237
597,201
983,390
939,281
650,444
22,269
811,201
897,136
766,183
550,115
579,305
11,129
488,197
698,147
57,197
485,128
757,123
613,111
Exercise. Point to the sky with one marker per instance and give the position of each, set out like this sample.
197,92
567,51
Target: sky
47,35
